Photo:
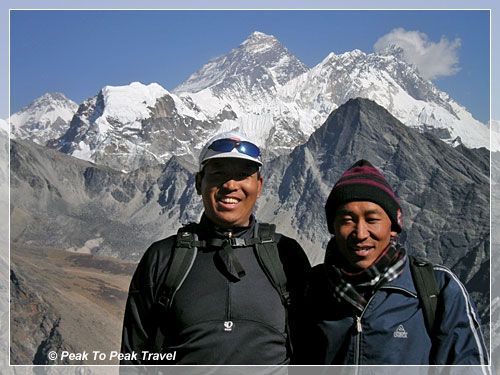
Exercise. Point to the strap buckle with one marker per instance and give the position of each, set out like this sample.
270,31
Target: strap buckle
164,301
236,242
185,239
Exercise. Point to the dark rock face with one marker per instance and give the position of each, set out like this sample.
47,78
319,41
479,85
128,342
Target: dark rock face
28,311
444,194
91,108
436,184
120,214
53,342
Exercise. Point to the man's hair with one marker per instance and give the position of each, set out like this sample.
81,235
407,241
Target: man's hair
202,173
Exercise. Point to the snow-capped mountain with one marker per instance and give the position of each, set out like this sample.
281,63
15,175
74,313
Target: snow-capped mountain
256,69
272,109
129,126
247,82
126,127
45,119
261,89
392,83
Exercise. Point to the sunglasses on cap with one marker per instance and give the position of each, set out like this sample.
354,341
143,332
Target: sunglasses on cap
227,144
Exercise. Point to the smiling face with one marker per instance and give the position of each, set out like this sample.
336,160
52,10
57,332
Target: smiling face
229,188
362,232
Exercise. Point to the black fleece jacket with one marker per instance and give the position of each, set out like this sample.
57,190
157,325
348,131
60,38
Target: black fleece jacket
215,319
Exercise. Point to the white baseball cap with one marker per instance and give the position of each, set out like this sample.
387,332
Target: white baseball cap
242,148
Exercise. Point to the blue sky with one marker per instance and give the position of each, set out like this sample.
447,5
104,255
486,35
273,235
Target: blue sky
79,52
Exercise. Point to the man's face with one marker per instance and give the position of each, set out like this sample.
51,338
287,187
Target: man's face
362,231
229,188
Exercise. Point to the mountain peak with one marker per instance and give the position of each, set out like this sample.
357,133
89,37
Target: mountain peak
50,97
44,119
54,95
344,57
259,64
359,128
354,107
258,43
258,37
258,34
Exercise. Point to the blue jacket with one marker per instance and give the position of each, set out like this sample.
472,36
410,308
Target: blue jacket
391,329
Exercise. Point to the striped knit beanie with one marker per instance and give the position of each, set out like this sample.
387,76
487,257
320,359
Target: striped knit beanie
363,182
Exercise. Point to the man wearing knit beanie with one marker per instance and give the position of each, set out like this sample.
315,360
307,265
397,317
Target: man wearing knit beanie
365,304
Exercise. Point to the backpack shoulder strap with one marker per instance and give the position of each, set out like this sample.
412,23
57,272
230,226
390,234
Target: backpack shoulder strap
267,254
427,289
171,279
181,261
266,251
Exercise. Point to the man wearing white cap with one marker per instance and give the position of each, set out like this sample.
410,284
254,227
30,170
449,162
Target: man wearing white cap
236,283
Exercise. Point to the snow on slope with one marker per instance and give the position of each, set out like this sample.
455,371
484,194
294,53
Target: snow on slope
390,82
4,126
127,105
495,134
307,100
46,118
246,81
126,127
260,63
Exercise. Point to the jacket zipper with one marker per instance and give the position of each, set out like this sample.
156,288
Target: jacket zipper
400,289
359,329
228,323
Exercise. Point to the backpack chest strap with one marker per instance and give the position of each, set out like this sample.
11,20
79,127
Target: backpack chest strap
219,243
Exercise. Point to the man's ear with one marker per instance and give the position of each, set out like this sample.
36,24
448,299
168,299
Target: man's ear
198,178
261,183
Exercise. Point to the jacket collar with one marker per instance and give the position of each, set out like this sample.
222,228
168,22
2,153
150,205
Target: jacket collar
207,229
403,281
